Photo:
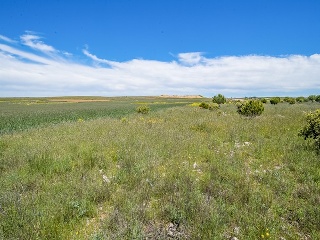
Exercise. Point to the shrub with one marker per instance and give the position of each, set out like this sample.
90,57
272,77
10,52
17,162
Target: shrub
263,100
312,128
144,109
195,104
312,98
286,99
214,106
291,101
318,98
275,100
204,105
219,99
301,99
250,108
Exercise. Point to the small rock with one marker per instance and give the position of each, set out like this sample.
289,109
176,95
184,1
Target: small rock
195,165
172,230
236,230
106,179
170,233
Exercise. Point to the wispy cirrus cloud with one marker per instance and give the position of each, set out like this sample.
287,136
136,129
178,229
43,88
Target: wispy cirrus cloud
96,59
28,73
33,41
6,39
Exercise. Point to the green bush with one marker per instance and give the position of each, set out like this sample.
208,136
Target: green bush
289,100
301,99
274,100
219,99
250,108
286,99
263,100
312,98
312,128
204,105
144,109
318,98
214,106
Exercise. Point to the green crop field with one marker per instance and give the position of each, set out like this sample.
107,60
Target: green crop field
99,170
23,113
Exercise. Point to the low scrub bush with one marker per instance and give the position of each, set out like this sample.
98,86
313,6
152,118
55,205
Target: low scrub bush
210,106
144,109
312,98
195,104
274,100
219,99
301,99
289,100
263,100
312,128
204,105
250,108
214,106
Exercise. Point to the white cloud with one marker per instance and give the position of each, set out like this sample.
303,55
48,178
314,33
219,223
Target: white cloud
4,38
23,73
96,59
67,54
192,58
34,42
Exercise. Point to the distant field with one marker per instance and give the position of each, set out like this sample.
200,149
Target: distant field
18,114
99,170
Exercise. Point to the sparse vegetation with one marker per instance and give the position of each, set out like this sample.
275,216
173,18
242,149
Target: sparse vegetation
178,172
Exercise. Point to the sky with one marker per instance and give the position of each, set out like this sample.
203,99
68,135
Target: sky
239,48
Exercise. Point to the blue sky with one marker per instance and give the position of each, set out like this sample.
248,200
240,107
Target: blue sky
141,47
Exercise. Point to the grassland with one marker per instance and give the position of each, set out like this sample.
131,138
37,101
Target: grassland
18,114
179,172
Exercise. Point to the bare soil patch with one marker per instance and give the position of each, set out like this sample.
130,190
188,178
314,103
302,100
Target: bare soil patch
79,100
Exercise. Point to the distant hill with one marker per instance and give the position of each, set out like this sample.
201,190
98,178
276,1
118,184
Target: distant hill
181,96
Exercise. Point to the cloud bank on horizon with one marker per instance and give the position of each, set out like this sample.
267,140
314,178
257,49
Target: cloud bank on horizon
30,67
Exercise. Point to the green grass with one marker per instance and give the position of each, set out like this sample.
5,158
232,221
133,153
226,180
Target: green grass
183,172
18,114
